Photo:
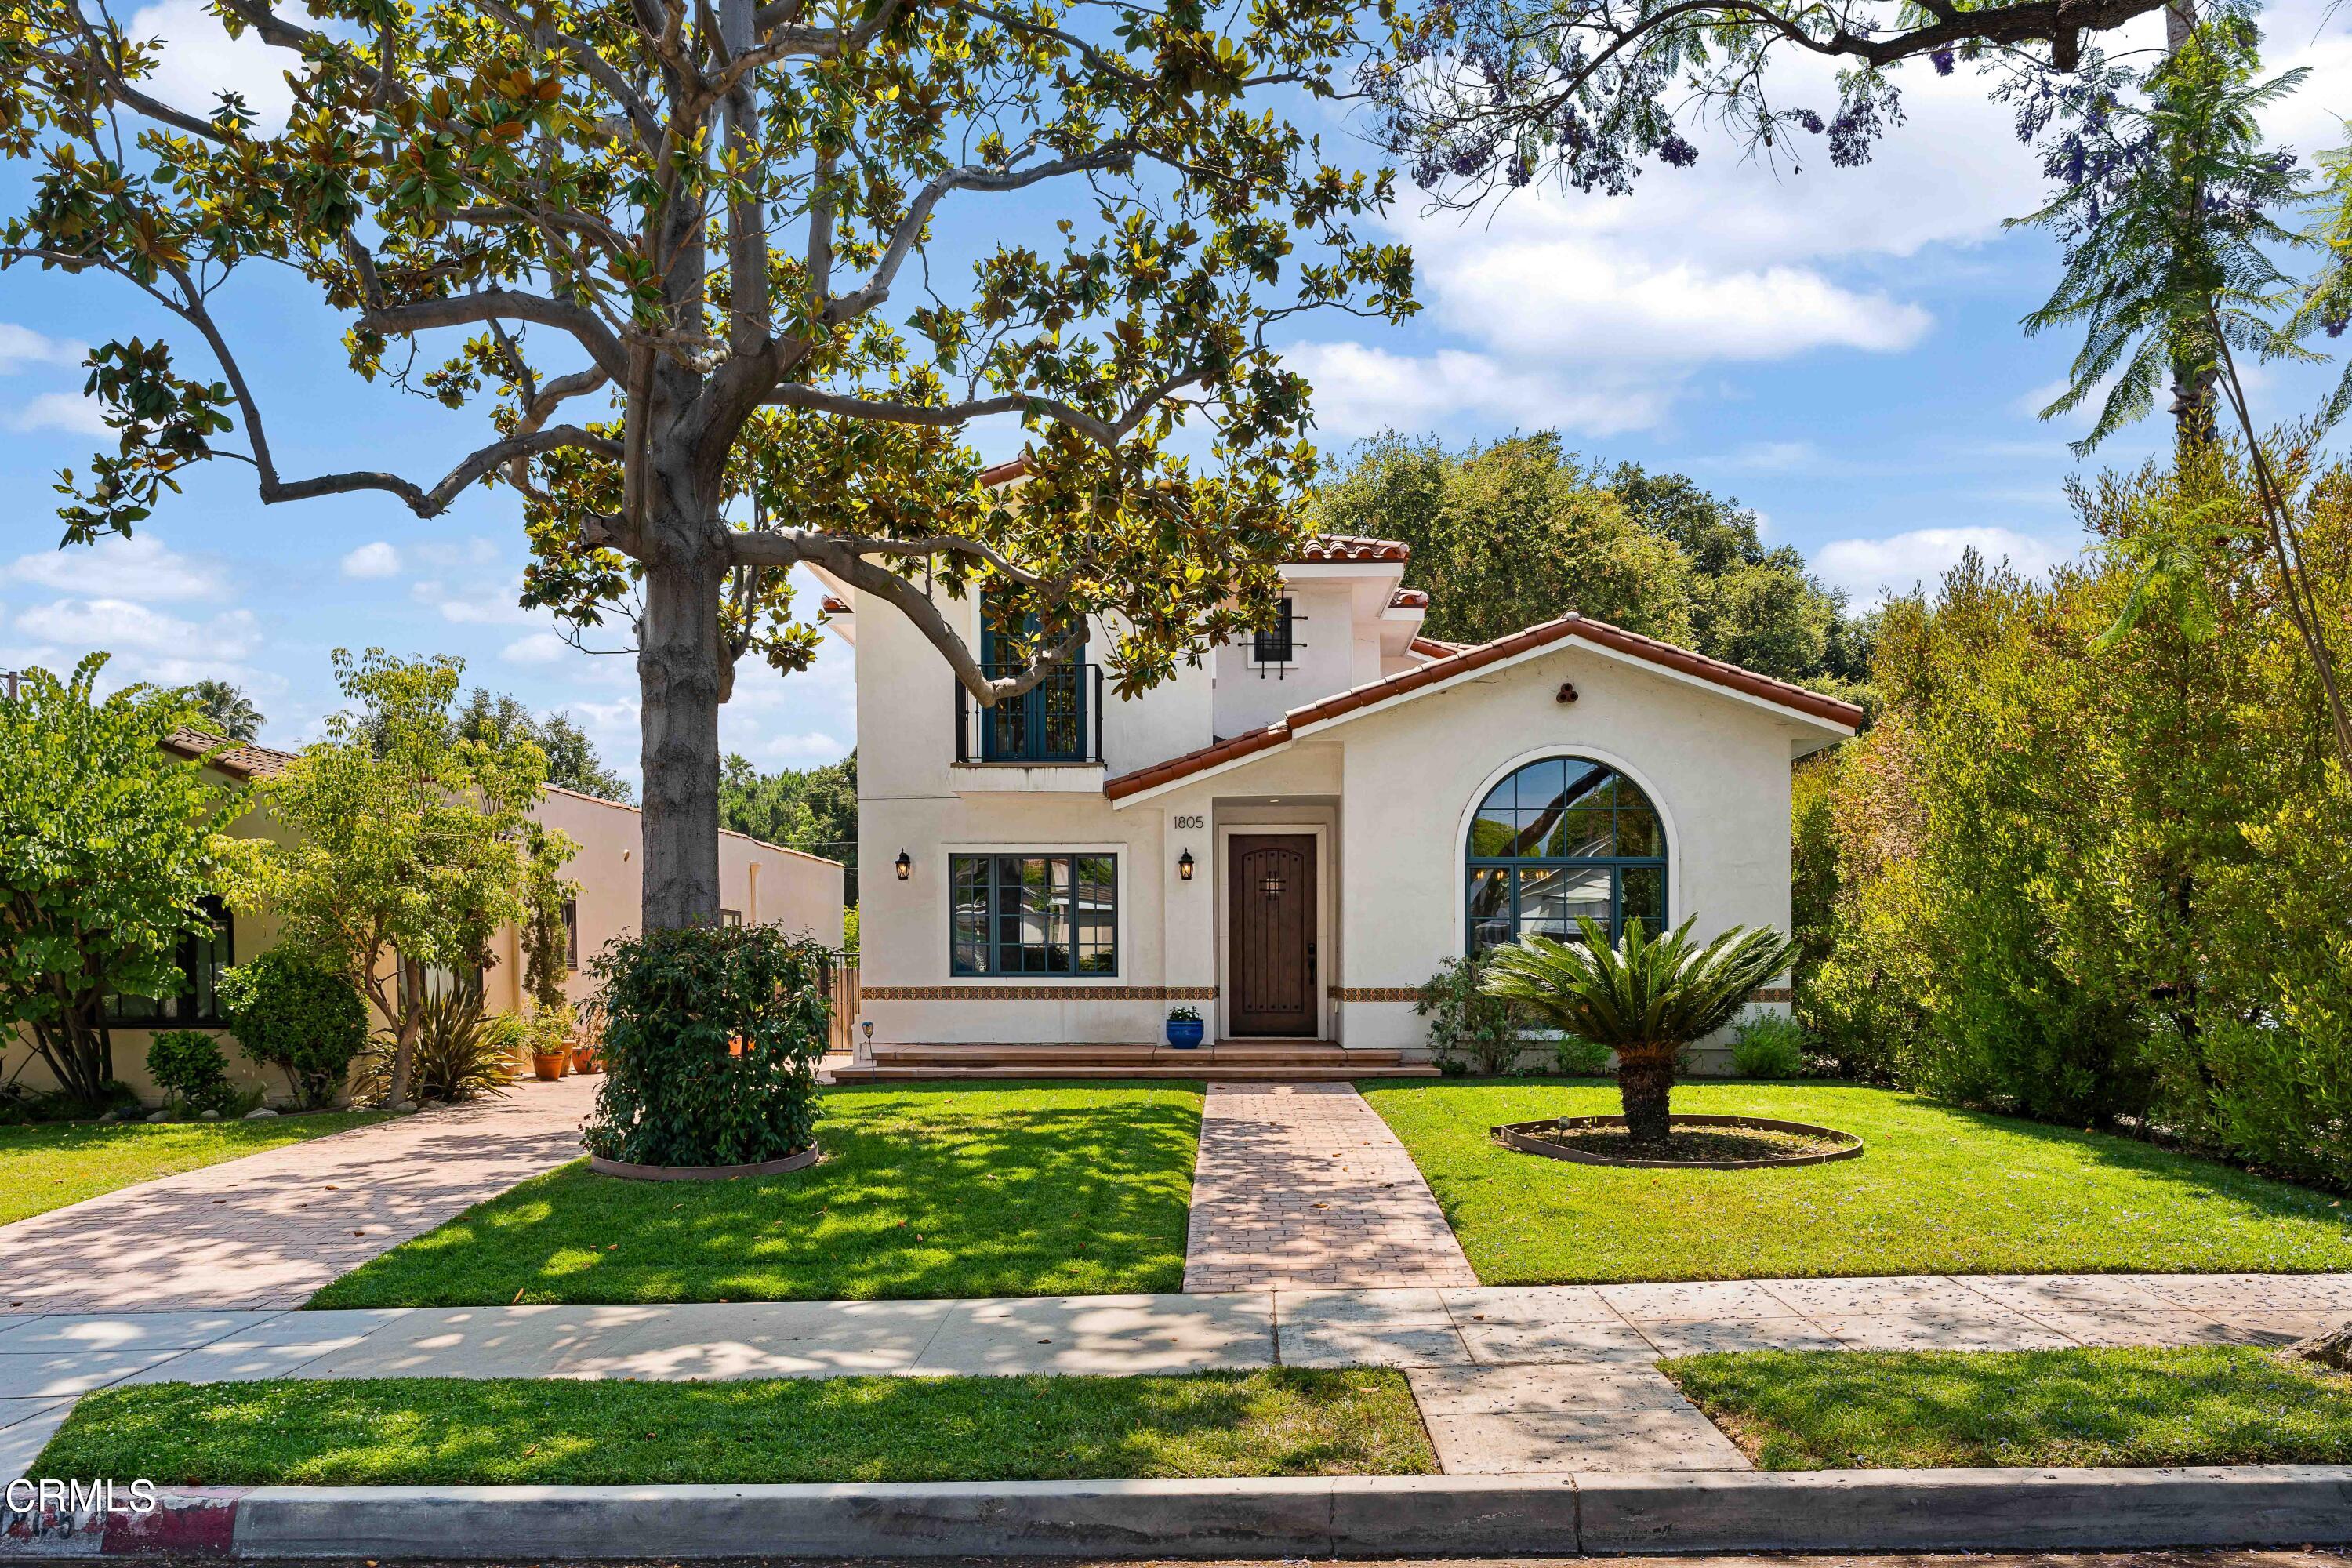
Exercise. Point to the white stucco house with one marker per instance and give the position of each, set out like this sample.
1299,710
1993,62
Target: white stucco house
1293,836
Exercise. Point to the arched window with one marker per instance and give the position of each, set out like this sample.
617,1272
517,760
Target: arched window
1561,839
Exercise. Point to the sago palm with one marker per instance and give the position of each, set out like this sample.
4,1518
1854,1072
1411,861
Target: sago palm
1646,998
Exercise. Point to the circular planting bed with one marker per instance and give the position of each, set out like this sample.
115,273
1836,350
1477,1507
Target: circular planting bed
800,1162
1693,1142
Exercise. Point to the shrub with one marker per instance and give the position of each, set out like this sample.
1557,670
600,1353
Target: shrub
546,1030
1469,1030
300,1018
187,1065
711,1037
1577,1056
1767,1045
460,1052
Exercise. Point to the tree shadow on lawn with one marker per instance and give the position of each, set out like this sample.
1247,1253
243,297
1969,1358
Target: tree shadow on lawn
930,1191
2081,1408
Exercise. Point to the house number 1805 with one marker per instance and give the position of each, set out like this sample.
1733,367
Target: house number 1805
1195,823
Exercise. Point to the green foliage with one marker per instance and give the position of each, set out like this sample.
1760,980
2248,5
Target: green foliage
1767,1045
1646,998
1576,1056
1469,1028
298,1016
225,709
849,923
814,809
187,1065
2087,878
1522,531
462,1052
108,845
572,761
407,839
711,1039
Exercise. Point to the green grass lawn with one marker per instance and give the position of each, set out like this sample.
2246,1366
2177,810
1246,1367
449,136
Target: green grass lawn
1809,1410
452,1431
1937,1190
49,1166
989,1189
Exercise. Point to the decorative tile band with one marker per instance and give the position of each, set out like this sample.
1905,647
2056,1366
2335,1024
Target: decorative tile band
1376,993
1772,994
1037,993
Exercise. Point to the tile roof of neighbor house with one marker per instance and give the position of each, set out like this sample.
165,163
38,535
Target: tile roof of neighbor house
243,760
1464,661
1352,547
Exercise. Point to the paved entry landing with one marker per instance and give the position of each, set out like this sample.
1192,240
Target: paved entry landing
1302,1186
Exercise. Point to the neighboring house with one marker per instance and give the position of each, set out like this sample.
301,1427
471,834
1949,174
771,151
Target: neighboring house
1292,836
757,883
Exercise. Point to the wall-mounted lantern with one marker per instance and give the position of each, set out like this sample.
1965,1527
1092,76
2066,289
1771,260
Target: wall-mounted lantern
904,865
1184,865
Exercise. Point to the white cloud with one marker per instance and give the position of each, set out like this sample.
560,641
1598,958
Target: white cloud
142,567
812,747
69,412
1770,458
1870,568
370,560
1360,390
539,648
119,624
21,346
200,61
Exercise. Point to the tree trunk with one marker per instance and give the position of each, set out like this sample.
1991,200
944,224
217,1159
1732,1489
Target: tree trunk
2333,1349
2194,378
678,661
404,1059
1646,1082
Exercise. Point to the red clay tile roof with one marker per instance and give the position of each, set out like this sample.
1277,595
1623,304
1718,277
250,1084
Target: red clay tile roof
1435,648
243,760
1463,661
1351,547
831,605
1409,599
1005,473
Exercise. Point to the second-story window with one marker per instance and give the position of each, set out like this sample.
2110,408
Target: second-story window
1054,720
1276,644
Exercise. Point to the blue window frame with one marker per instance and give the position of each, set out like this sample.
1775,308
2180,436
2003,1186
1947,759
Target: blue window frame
1033,914
1559,839
1046,723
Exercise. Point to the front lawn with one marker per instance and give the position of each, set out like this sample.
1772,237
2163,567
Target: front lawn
47,1167
460,1432
990,1189
1810,1410
1937,1191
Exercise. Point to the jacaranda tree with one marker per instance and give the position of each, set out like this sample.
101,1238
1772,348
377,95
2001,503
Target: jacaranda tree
682,259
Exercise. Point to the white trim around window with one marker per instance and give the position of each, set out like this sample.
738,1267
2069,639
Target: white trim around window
944,909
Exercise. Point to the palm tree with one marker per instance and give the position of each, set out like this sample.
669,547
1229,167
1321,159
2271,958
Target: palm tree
1645,999
226,710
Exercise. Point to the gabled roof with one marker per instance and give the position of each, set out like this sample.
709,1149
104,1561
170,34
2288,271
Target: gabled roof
1467,660
243,760
1435,648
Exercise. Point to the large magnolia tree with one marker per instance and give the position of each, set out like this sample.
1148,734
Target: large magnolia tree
685,261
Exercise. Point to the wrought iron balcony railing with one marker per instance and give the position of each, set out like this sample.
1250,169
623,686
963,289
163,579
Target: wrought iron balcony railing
1059,720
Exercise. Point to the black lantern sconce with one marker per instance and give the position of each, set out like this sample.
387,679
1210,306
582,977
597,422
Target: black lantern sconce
1184,865
904,865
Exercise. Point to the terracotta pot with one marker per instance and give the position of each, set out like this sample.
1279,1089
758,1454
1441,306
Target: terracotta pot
583,1059
547,1066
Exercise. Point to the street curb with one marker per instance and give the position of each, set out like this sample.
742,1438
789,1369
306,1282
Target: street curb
1548,1515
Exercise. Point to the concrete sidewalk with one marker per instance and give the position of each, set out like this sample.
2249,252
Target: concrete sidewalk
1511,1378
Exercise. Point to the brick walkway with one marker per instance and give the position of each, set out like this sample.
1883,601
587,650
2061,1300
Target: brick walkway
271,1228
1302,1186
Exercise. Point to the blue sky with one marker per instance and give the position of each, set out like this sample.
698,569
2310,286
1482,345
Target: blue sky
1838,348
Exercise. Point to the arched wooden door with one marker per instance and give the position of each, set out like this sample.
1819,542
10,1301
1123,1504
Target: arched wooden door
1270,932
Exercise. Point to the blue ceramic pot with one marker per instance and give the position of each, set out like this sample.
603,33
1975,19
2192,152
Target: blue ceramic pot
1184,1034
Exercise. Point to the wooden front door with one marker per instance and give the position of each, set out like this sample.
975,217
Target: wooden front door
1270,932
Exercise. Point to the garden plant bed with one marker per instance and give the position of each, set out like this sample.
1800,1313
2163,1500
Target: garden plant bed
1695,1142
1284,1421
52,1164
628,1171
998,1189
1944,1191
1809,1410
